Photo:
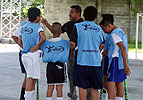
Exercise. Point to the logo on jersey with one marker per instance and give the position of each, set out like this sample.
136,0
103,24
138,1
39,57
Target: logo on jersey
89,27
55,49
26,30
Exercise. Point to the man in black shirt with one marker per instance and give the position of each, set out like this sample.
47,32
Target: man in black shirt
75,17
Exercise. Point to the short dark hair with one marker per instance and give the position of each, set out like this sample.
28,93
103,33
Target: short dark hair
77,8
56,27
90,13
57,23
33,12
107,19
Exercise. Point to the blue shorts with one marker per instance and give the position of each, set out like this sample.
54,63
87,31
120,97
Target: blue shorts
114,74
87,77
106,63
21,64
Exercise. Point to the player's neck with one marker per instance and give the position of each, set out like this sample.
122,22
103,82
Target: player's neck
56,36
35,21
114,27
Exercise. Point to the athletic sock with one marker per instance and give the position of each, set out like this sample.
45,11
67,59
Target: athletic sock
22,93
34,95
105,96
49,98
59,98
28,95
119,98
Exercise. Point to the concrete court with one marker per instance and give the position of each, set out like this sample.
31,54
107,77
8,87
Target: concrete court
11,77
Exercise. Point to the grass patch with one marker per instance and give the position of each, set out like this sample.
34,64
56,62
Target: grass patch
132,46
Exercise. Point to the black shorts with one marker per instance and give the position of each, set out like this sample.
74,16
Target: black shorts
21,64
56,73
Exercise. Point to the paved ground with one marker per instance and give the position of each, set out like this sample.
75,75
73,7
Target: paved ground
11,77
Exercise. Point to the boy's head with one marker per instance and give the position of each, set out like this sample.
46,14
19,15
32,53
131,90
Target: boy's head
34,14
56,28
90,13
75,12
107,23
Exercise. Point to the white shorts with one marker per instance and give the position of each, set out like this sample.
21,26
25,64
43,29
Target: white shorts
31,63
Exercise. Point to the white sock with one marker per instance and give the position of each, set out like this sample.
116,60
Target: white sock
105,96
28,95
49,98
34,95
59,98
119,98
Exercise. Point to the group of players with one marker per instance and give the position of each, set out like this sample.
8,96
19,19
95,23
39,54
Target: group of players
82,53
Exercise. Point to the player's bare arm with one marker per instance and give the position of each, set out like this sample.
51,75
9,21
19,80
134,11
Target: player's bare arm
37,47
124,54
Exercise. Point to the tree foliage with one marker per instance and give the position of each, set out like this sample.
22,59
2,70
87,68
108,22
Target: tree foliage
35,3
138,6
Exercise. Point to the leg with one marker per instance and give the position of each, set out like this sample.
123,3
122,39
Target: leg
120,89
59,90
88,94
29,85
72,93
82,93
111,90
50,90
24,82
30,89
105,82
23,89
94,94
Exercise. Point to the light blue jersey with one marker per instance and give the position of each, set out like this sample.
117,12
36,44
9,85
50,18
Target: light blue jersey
90,37
57,51
30,36
119,32
107,37
23,23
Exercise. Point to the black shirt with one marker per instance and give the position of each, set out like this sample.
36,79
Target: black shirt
74,35
68,27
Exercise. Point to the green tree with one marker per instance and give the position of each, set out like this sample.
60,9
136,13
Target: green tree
138,6
35,3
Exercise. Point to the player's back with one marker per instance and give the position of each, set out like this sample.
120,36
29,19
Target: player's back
30,35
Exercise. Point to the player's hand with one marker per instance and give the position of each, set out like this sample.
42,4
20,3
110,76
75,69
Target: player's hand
35,48
44,21
104,53
127,70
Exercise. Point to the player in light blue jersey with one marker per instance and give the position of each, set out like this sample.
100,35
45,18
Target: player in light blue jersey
32,37
56,53
118,58
15,37
87,36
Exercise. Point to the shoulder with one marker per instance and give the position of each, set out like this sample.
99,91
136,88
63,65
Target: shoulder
67,23
23,23
79,24
66,41
119,32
